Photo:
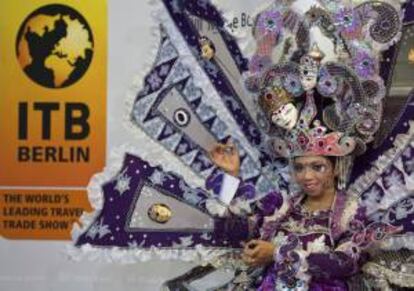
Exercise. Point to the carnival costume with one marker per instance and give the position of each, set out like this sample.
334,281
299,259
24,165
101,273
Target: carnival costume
294,97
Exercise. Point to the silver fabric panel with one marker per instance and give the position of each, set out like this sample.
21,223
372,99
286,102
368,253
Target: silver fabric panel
184,217
199,134
227,64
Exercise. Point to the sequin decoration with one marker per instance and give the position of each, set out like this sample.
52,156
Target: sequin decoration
159,213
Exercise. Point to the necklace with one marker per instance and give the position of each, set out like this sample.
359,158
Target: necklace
310,212
313,212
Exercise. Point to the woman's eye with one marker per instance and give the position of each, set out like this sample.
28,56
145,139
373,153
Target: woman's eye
319,168
298,168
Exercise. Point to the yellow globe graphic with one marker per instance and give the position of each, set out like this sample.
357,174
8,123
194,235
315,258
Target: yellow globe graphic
54,46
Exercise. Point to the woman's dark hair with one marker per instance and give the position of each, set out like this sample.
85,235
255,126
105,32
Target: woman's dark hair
333,160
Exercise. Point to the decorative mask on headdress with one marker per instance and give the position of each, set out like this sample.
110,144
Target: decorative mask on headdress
278,106
309,68
310,138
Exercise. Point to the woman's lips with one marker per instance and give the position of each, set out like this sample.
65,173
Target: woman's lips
310,186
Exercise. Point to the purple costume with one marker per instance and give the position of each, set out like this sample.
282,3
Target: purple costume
313,251
308,251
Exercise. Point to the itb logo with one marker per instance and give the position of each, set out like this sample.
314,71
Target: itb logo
54,46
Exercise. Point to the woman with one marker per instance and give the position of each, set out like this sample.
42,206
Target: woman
312,239
298,245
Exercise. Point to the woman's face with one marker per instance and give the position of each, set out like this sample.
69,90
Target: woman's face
314,174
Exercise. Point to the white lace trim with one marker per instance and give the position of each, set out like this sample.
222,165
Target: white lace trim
385,275
370,176
398,242
198,254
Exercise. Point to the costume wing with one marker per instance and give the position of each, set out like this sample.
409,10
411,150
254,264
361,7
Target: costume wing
187,104
386,190
383,184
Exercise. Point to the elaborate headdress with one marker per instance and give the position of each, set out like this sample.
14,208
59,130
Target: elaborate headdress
339,98
309,136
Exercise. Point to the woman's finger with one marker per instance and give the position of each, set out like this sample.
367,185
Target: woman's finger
232,145
251,252
245,258
252,243
254,253
215,150
248,260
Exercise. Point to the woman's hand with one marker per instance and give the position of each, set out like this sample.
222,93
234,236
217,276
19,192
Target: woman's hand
226,157
258,253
